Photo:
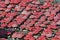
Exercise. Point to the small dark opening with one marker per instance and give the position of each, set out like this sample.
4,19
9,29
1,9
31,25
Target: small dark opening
2,0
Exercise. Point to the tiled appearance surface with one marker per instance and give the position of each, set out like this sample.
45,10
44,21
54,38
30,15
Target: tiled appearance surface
29,20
